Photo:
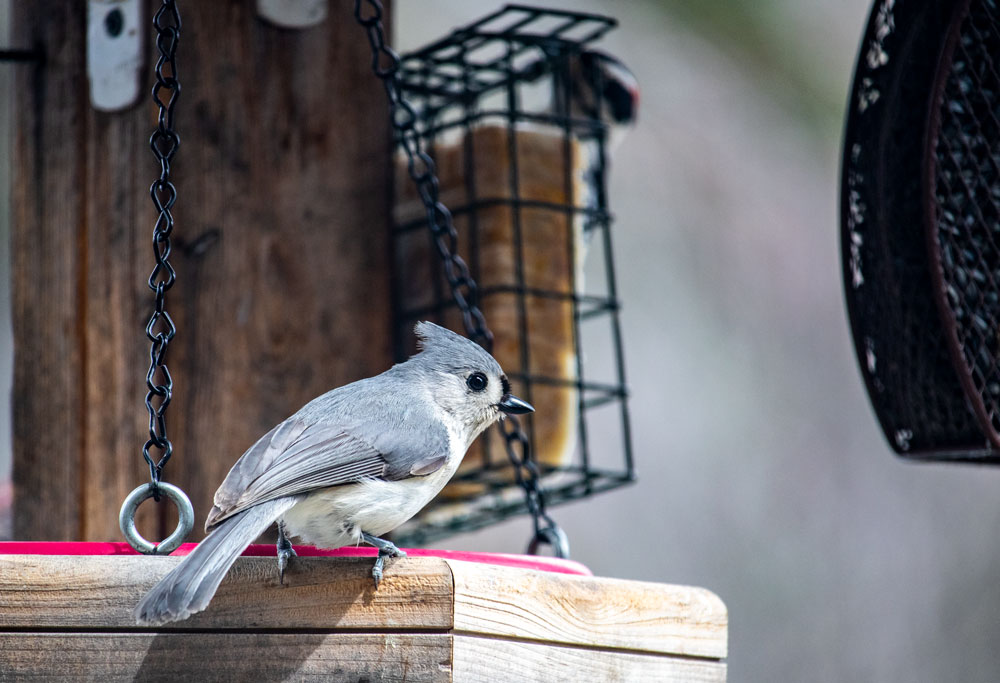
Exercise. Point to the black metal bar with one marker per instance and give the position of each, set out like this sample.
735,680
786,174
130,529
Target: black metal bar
607,306
23,55
593,403
596,215
515,194
561,477
471,195
561,97
597,305
533,13
609,389
480,519
610,22
455,37
600,184
580,124
439,280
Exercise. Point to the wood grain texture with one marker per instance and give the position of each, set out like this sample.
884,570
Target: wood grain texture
70,592
432,619
48,217
235,657
284,165
411,657
616,613
486,660
320,593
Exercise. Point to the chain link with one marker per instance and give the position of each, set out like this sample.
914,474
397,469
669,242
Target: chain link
160,329
464,291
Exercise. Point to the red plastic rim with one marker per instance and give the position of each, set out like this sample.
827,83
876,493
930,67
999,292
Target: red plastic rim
546,564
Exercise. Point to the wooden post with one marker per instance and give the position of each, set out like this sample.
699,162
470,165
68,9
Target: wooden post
281,252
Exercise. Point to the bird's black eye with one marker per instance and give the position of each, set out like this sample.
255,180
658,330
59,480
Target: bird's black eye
477,381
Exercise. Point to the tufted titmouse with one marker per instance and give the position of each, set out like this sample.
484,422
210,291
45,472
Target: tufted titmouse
348,467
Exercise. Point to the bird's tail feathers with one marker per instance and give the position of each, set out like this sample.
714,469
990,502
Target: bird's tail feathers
189,586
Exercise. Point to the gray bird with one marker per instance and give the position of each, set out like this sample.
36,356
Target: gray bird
348,467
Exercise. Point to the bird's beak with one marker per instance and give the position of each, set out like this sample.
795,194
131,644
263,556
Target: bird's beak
512,405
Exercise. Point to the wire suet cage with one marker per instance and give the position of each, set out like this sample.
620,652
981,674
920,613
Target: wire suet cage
522,167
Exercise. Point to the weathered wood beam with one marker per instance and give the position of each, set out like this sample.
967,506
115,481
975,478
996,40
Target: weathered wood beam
432,619
281,250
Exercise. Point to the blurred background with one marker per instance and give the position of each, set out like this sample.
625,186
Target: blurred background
762,473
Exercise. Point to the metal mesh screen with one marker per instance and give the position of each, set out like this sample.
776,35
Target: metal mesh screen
966,197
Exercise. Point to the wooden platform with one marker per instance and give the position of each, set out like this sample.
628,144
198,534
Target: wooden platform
432,619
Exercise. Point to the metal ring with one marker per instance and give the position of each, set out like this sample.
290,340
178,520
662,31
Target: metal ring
185,519
553,536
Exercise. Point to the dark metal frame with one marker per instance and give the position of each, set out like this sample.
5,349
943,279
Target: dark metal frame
902,324
446,82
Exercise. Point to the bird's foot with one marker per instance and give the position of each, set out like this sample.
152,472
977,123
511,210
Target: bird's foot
385,549
377,569
285,553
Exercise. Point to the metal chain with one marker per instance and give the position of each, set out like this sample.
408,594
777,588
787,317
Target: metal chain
464,291
160,329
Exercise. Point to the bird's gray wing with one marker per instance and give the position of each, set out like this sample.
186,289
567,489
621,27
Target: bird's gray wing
297,457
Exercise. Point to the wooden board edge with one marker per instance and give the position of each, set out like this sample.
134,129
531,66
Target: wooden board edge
590,611
321,593
485,660
179,656
417,657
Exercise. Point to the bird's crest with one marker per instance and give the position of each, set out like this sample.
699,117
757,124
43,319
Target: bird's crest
452,349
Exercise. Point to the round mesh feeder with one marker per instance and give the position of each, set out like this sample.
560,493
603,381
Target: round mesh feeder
920,226
963,200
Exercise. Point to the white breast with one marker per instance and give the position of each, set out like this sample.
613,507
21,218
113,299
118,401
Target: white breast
336,516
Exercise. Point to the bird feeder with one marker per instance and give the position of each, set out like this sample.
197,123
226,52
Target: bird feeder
523,169
260,228
920,201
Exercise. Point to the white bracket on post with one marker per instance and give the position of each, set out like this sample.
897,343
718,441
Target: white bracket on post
292,13
114,53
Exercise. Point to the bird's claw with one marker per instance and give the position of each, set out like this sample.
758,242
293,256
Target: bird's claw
285,552
284,555
385,549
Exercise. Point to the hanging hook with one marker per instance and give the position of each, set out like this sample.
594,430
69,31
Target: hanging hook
386,65
185,518
553,536
161,329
